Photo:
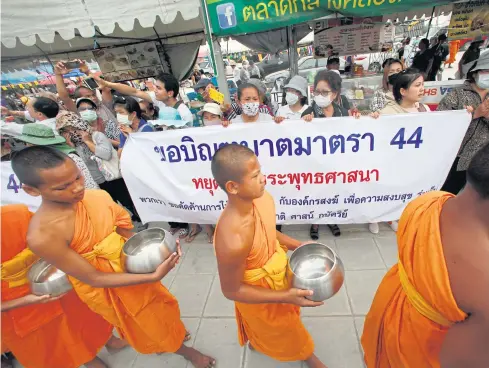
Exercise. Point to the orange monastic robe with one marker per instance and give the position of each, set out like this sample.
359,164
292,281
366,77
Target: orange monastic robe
454,47
59,334
146,315
275,330
396,334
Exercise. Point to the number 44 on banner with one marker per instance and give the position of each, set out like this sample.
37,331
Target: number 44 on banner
12,184
415,138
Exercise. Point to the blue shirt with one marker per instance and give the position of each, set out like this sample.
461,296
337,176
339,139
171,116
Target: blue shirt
142,127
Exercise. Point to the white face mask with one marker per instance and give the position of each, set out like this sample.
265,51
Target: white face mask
28,116
212,122
291,98
322,101
88,115
482,80
251,108
123,119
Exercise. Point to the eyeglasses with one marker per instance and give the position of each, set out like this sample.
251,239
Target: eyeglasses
322,93
80,109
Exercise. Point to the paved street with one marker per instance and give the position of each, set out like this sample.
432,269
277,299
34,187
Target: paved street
336,327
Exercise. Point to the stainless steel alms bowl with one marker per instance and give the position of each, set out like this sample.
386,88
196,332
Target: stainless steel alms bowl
316,267
146,250
45,279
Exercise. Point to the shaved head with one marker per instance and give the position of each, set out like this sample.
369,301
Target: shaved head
229,163
478,172
28,163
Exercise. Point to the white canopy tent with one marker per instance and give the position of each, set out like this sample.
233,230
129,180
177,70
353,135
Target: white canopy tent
228,46
60,30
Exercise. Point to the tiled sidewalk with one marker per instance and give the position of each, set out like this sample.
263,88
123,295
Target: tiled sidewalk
336,327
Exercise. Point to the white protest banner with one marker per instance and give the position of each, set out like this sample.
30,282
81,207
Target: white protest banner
12,192
335,170
435,91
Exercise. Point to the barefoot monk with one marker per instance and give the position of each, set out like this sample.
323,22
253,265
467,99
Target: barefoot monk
43,331
252,262
432,308
82,233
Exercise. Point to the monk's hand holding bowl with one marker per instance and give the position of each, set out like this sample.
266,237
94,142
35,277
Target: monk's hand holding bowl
41,299
298,297
168,265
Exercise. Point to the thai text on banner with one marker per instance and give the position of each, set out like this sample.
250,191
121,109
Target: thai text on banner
335,170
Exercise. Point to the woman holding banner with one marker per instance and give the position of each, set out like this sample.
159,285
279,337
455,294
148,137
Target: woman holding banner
407,92
296,99
327,87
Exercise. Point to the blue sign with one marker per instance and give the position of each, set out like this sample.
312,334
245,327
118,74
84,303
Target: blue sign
226,15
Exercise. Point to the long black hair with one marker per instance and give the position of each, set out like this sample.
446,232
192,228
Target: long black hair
130,104
386,64
404,80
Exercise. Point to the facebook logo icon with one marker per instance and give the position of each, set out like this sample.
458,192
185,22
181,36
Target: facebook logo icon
226,15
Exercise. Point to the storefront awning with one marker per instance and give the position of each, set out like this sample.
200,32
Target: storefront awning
250,16
33,21
54,30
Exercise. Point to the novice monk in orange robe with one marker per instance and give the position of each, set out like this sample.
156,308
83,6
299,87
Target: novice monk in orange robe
252,262
419,317
82,233
43,331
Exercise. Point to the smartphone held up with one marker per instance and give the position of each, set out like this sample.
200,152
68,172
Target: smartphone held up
91,83
74,64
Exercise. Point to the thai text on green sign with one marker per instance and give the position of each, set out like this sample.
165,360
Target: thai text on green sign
232,17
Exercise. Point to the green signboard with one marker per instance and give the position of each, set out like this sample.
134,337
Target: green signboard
233,17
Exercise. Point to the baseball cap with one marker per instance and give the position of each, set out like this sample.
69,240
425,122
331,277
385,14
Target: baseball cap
202,84
86,100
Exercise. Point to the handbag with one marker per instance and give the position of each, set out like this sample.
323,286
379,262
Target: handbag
110,169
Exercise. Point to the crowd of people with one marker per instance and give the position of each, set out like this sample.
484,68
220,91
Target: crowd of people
95,130
432,56
73,143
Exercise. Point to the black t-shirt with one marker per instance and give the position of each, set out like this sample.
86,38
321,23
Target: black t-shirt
401,53
338,111
440,53
421,61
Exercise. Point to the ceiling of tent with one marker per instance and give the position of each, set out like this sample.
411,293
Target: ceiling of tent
67,30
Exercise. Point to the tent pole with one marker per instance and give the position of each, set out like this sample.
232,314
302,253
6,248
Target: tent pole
429,24
292,45
216,55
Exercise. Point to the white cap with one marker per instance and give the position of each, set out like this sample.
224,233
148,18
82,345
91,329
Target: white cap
299,84
211,107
